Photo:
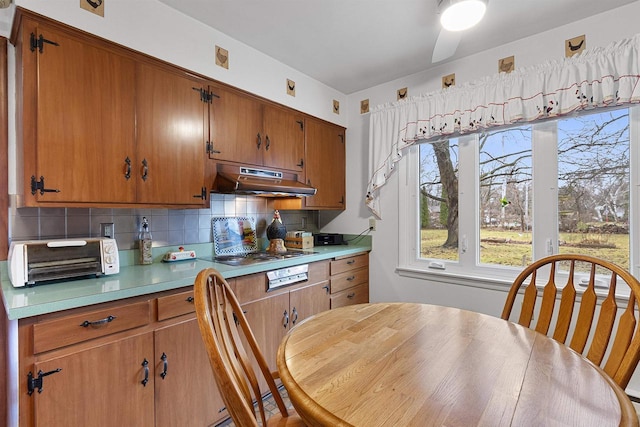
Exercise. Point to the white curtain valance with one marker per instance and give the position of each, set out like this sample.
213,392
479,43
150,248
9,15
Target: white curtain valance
598,77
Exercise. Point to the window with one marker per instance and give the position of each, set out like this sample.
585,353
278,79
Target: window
593,186
438,200
524,192
504,189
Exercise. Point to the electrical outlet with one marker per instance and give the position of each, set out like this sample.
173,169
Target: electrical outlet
372,224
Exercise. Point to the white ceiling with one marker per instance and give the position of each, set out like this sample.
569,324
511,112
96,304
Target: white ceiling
352,45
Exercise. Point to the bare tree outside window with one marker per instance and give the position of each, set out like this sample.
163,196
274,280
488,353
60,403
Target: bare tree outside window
593,191
593,186
439,200
505,196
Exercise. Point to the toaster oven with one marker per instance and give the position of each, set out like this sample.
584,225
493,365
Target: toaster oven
35,261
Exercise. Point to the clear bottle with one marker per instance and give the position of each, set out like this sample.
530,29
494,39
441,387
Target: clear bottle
145,243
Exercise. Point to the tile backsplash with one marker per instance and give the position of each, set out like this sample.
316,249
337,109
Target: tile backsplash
169,227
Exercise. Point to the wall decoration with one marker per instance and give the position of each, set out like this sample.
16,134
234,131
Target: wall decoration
574,46
93,6
222,57
336,106
402,93
364,106
448,80
291,87
506,65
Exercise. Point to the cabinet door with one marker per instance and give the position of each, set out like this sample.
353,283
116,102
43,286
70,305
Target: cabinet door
187,395
235,127
269,319
85,120
325,165
171,140
306,302
98,387
284,139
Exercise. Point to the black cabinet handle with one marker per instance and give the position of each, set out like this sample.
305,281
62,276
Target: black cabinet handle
351,278
190,299
165,365
295,316
301,164
97,323
127,173
351,295
145,365
267,143
259,141
145,169
326,288
286,319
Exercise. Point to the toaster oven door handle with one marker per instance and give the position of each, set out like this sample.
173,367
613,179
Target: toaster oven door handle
66,243
97,323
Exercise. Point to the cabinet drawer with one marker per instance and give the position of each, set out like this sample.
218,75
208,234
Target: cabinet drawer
250,288
175,305
355,295
81,327
318,271
341,265
346,280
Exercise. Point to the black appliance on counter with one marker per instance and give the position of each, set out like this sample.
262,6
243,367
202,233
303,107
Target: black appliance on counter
324,239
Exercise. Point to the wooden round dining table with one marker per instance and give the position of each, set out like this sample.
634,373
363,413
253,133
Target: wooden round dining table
406,364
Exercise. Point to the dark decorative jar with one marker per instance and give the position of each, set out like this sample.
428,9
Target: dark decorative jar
276,232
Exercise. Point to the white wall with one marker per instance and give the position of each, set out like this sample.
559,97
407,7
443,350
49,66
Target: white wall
385,283
153,28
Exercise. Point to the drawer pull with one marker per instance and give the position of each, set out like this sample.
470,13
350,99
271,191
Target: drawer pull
326,288
145,365
352,261
295,316
165,365
285,323
351,295
189,299
97,323
351,278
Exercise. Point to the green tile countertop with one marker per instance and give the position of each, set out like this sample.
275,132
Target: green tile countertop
135,280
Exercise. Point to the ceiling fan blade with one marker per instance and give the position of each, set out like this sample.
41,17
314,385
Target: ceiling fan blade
446,45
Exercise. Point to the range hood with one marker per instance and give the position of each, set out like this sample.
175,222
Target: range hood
261,182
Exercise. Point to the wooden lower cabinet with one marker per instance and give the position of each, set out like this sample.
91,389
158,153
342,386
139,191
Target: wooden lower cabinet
187,394
145,367
98,387
142,362
350,280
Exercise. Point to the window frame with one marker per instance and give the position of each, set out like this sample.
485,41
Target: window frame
467,270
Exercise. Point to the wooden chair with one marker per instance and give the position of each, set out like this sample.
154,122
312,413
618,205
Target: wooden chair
221,320
623,352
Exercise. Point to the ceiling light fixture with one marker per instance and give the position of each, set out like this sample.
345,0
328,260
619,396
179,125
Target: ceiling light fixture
460,15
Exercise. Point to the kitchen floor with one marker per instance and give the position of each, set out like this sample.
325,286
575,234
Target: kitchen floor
270,408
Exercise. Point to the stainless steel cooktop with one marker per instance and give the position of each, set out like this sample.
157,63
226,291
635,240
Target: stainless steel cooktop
256,257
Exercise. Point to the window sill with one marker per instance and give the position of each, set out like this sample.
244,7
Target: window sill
495,283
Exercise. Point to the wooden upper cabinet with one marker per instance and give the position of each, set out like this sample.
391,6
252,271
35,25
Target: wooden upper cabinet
235,127
246,130
171,136
284,139
82,128
325,165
